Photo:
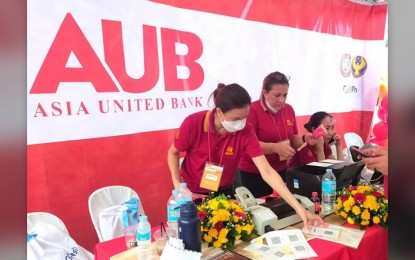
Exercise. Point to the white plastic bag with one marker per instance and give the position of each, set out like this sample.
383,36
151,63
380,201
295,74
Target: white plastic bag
46,241
114,219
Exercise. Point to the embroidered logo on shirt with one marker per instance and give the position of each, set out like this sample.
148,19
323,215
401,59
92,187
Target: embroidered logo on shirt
289,122
309,153
229,150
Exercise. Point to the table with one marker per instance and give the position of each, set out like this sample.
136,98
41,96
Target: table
374,245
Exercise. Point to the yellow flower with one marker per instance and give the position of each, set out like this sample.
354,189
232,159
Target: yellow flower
217,244
207,238
385,218
362,189
343,214
213,232
351,201
238,228
356,210
365,222
376,220
350,220
366,215
222,235
371,203
235,219
354,192
346,206
213,204
248,228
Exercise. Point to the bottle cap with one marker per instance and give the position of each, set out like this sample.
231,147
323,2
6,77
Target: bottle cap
183,185
143,218
314,194
329,170
188,209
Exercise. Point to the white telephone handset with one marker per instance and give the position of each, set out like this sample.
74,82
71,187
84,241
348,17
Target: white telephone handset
245,197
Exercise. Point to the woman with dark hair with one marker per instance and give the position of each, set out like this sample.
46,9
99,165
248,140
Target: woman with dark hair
214,141
275,125
320,149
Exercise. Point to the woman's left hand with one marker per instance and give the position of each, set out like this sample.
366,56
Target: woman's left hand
337,139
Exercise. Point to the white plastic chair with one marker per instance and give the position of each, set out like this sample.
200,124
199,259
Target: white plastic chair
353,139
106,197
34,217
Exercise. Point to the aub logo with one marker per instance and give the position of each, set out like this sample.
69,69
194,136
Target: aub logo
356,66
70,39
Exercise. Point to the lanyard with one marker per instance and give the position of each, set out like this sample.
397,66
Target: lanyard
279,134
224,145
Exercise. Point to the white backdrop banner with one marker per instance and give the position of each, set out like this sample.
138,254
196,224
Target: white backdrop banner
110,68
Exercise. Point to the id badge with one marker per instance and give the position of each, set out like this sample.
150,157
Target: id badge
286,141
211,177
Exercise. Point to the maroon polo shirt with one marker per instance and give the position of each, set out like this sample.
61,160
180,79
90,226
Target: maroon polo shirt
307,155
270,127
192,138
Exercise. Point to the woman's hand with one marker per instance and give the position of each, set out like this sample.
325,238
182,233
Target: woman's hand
378,159
338,140
320,144
308,216
284,150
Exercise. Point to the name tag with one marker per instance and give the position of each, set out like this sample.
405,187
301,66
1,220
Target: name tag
211,177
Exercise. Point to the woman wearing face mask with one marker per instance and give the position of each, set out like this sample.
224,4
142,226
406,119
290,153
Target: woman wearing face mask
320,149
276,127
219,137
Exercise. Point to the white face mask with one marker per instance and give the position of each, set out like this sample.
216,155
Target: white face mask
270,107
234,126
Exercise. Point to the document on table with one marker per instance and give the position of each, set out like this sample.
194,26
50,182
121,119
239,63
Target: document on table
338,234
320,164
282,244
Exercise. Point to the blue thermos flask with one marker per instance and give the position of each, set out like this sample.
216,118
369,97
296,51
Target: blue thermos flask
189,227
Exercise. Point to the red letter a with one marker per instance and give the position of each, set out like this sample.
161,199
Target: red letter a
69,39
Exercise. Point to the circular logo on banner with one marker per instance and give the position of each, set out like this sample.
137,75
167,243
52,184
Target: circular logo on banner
359,66
345,65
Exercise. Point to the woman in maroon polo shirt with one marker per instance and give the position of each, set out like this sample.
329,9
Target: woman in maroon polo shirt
275,125
219,137
320,150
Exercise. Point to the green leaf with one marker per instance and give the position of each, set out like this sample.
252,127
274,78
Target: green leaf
233,232
246,238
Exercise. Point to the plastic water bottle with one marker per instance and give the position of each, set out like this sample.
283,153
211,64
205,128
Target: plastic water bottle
186,194
173,213
328,192
189,227
316,200
144,238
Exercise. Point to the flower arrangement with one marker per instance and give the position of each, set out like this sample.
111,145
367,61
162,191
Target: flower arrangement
362,205
223,222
